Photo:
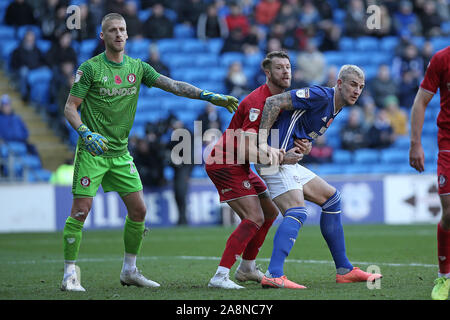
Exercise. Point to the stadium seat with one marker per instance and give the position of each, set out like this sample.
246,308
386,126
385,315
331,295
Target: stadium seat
17,148
393,156
30,161
334,58
388,44
204,61
366,156
169,46
214,45
7,32
198,172
168,173
228,58
183,31
346,44
342,156
23,29
367,44
440,42
43,45
217,74
39,81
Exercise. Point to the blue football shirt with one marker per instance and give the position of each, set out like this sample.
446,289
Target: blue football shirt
312,115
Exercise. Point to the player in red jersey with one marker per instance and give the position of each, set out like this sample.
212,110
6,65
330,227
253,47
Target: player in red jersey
436,76
238,186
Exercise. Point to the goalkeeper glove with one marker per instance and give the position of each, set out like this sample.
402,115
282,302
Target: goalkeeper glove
228,102
95,143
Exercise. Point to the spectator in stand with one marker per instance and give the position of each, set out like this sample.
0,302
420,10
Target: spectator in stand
253,39
134,24
24,58
407,89
210,25
169,4
210,118
369,112
266,11
236,81
234,42
12,127
430,20
331,77
426,54
382,85
381,135
237,20
312,63
309,15
397,116
82,33
53,22
298,80
409,61
60,85
320,152
96,11
443,9
117,6
158,26
355,19
46,16
189,11
62,51
155,61
353,134
19,13
405,20
331,35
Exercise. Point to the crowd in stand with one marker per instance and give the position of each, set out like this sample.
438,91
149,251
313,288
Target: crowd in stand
307,27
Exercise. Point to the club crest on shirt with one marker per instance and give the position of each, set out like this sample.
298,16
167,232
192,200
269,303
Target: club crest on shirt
131,78
78,75
85,182
302,93
246,184
253,114
442,180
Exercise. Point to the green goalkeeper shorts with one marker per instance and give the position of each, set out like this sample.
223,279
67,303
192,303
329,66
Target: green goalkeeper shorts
114,174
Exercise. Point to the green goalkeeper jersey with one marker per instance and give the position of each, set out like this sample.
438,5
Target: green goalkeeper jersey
110,93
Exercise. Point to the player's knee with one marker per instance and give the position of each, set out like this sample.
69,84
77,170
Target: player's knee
80,214
138,213
333,204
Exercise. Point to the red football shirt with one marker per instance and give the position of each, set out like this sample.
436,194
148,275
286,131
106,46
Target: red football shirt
438,76
247,119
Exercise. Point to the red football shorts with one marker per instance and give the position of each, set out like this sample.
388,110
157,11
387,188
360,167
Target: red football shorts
443,172
235,181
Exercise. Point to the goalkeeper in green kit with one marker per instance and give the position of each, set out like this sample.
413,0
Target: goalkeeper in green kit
106,88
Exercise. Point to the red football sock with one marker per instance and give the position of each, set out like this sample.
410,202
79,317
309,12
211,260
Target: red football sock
237,242
443,244
252,249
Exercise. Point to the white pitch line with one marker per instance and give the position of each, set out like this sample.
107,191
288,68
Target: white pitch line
390,264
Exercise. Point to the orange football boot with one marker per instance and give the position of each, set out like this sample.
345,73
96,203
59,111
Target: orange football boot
281,282
357,275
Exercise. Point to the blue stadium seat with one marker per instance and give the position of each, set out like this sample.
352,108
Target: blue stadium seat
356,168
440,42
40,174
199,172
217,74
168,173
366,156
204,61
214,45
39,81
183,31
3,150
392,155
368,44
169,46
30,161
17,148
388,43
342,156
23,29
87,46
7,32
175,60
334,58
7,47
401,143
43,45
346,44
228,58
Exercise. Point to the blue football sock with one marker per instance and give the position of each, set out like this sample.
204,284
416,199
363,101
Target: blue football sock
285,238
333,232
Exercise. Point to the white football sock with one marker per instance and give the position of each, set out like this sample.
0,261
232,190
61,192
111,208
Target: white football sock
129,262
247,265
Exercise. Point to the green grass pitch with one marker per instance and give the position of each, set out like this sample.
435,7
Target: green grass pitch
183,260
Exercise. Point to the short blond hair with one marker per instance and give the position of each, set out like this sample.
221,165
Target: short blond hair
349,69
111,16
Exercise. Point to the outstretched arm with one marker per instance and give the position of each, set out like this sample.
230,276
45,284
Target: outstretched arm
416,154
187,90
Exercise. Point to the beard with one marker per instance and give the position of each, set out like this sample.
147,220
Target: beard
280,83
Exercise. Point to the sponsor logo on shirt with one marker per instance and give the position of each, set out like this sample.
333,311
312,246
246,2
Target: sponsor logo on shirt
253,114
118,91
302,93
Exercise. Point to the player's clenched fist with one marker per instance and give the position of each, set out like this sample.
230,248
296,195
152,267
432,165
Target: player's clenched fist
94,142
228,102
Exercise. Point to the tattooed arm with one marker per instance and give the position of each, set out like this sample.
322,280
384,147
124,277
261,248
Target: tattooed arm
178,88
187,90
272,108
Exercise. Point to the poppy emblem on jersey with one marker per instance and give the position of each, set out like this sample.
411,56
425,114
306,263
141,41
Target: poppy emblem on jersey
253,114
85,182
302,93
442,180
131,78
246,184
117,79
